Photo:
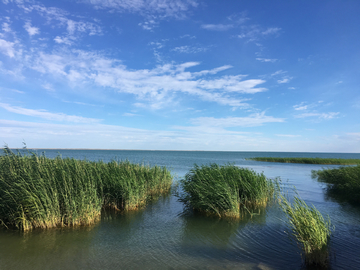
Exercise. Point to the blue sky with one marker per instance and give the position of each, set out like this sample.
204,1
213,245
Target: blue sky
181,75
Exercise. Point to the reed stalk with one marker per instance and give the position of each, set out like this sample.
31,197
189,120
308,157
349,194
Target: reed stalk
309,228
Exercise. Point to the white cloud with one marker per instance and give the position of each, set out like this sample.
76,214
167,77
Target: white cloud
6,27
7,48
130,114
285,79
48,115
254,32
354,136
189,49
266,60
279,72
48,87
164,8
12,90
271,31
235,20
300,107
217,27
254,120
326,116
31,30
63,40
161,82
61,17
287,135
149,25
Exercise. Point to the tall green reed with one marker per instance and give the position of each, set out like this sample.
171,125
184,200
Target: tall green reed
309,228
39,192
343,183
226,191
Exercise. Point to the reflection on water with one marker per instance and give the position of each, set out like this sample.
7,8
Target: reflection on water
164,236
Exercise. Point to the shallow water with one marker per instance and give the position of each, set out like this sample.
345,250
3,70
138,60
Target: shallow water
165,236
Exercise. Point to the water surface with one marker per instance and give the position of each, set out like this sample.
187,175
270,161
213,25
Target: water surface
165,236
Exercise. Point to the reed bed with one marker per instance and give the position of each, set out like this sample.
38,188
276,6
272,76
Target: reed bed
226,191
310,229
39,192
343,183
304,160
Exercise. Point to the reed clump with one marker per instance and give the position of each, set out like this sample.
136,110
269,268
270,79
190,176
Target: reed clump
305,160
226,191
343,182
39,192
311,231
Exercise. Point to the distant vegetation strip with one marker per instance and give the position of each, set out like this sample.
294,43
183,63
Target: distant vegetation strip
304,160
343,183
39,192
226,191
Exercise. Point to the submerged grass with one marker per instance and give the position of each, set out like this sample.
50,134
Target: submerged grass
39,192
343,183
304,160
310,230
226,191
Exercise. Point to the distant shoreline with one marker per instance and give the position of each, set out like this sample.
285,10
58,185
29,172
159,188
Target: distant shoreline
256,151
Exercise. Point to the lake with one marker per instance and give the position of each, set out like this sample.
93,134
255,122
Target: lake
164,235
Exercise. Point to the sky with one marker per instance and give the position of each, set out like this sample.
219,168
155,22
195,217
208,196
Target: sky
235,75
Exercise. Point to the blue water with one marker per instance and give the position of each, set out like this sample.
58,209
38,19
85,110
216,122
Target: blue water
164,236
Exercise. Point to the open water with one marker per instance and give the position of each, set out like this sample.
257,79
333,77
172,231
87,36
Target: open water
165,236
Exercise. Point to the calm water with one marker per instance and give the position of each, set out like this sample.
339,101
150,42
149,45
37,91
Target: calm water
164,236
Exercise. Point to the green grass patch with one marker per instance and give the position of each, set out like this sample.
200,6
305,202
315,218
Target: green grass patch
304,160
39,192
226,191
310,229
343,183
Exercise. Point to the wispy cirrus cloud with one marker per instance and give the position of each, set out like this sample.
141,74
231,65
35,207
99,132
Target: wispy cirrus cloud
283,77
58,18
324,116
163,8
300,107
266,60
189,49
217,27
233,21
287,135
48,115
253,120
255,32
150,85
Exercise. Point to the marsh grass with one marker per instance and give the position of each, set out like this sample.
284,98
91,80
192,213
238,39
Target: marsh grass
39,192
226,191
310,229
343,183
304,160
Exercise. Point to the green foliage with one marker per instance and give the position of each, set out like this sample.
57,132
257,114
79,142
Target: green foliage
310,230
304,160
226,191
38,192
343,183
